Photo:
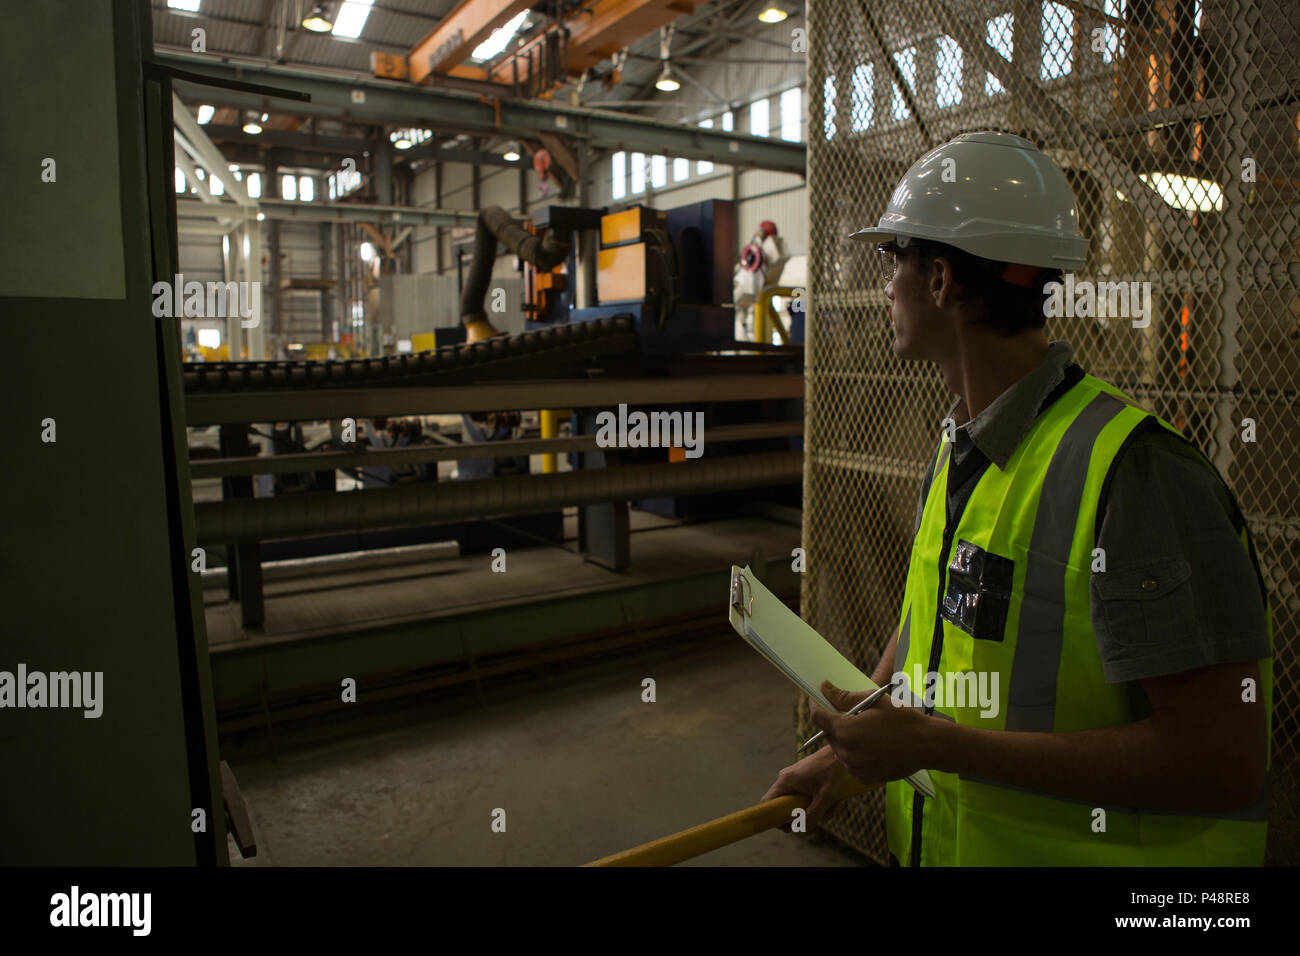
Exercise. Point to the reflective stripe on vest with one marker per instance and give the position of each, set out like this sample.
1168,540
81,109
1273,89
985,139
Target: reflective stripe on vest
1040,514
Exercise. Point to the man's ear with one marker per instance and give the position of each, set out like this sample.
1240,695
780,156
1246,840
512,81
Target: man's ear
942,282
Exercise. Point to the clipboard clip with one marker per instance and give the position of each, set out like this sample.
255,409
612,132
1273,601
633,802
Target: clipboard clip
738,588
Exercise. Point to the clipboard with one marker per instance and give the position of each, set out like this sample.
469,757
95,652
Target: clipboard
795,649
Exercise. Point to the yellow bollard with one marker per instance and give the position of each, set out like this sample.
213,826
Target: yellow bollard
550,427
718,833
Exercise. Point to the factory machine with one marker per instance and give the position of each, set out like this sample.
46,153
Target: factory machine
629,308
670,274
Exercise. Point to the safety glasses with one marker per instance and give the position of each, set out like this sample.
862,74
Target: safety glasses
887,253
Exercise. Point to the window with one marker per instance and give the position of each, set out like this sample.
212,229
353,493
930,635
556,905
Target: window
727,124
948,68
759,118
1113,37
351,18
189,6
681,169
658,171
618,175
997,34
638,173
704,166
306,189
828,107
333,189
862,106
289,187
254,185
215,184
499,38
1058,41
180,181
210,338
906,60
792,115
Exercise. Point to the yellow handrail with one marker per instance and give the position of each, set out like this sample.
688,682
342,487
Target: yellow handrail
718,833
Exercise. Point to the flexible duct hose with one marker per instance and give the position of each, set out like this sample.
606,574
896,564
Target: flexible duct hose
545,253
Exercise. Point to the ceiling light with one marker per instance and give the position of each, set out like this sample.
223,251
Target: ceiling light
773,14
667,82
1186,192
1183,190
205,115
511,156
319,20
261,216
403,140
251,125
367,252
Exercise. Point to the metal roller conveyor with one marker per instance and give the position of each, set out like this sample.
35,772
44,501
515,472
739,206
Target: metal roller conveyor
526,354
259,519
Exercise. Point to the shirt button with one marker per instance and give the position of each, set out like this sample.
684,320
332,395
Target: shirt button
1149,584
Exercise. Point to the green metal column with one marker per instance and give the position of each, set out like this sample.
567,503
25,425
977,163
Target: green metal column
95,570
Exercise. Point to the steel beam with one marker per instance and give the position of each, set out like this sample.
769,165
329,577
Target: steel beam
306,144
319,404
367,100
332,212
195,141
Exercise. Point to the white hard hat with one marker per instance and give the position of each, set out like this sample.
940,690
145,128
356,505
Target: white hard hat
1000,198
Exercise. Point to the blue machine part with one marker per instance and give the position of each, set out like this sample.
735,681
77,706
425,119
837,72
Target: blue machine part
449,336
797,326
471,468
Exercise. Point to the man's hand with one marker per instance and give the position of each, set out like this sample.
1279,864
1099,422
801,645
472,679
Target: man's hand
883,742
820,776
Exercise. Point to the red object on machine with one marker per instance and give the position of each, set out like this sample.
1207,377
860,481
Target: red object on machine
751,257
767,228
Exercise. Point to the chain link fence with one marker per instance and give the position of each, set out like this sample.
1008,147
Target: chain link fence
1178,124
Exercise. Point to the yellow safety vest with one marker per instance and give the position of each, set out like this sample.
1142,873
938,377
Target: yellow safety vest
1006,592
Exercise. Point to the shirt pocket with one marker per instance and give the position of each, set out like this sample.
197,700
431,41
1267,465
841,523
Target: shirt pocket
1148,606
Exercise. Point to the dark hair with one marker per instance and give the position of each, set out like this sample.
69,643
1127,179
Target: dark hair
1005,307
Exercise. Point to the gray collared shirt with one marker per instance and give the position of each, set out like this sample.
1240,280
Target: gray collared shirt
999,429
1166,519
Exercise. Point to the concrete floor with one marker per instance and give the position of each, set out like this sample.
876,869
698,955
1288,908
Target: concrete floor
582,767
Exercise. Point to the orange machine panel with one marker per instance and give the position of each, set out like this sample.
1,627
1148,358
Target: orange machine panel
620,273
629,225
620,227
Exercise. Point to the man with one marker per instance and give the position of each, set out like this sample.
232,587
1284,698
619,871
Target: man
1072,553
